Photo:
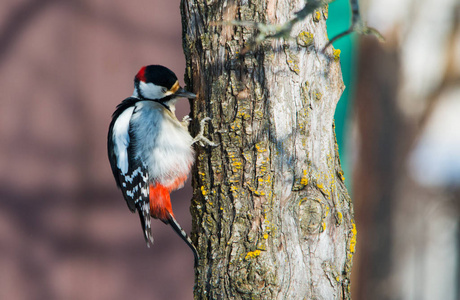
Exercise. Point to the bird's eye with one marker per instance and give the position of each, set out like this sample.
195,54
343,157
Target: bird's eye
164,90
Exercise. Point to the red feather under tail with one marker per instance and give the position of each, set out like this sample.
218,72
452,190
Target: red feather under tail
160,208
160,202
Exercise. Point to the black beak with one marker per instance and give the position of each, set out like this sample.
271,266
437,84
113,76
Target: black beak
181,93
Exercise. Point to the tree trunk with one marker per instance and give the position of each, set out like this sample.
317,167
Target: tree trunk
271,215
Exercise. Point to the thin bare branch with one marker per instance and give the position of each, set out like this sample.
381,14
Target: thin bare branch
357,25
276,31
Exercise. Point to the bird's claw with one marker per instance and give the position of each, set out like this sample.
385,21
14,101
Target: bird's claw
200,136
186,120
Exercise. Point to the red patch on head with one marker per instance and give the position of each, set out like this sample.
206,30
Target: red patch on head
141,74
160,202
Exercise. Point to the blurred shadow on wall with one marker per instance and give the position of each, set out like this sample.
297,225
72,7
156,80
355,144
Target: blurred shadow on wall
26,13
65,230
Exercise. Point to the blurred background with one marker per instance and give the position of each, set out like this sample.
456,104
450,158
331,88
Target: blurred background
65,231
398,128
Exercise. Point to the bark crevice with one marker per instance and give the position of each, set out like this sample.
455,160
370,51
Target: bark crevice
265,210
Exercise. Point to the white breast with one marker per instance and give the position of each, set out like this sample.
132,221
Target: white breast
161,142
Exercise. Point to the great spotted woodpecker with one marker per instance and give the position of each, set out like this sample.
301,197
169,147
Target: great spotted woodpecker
150,150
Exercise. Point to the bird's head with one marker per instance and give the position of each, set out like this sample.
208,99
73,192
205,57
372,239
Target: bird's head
160,84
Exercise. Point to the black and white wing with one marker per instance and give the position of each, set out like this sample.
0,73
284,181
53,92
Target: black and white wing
130,175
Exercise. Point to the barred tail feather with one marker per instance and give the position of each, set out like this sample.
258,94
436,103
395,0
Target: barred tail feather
144,215
181,232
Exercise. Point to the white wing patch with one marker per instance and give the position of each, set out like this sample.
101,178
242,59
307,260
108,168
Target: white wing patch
121,139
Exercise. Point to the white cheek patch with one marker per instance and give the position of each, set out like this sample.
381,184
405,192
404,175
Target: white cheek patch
151,91
121,139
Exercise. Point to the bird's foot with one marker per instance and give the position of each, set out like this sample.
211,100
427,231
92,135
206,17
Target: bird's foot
200,136
186,120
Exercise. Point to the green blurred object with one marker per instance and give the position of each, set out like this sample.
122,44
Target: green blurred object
339,20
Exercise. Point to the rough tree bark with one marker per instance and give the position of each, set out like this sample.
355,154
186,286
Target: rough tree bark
271,216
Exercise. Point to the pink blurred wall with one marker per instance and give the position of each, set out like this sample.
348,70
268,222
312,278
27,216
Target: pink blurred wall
65,230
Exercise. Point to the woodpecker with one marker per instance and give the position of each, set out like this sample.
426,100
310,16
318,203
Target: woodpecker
150,150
